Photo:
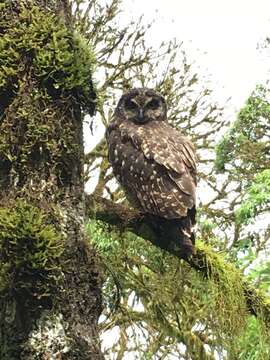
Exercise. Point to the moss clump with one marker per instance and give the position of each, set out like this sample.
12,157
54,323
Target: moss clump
228,285
60,59
29,251
45,81
228,306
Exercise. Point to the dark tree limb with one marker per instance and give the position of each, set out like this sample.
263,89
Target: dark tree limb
145,226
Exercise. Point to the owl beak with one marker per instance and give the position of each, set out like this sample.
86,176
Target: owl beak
141,116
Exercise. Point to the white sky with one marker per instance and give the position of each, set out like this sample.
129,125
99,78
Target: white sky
228,30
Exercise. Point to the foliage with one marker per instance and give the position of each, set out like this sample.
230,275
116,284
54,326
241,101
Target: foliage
243,154
248,138
257,198
252,343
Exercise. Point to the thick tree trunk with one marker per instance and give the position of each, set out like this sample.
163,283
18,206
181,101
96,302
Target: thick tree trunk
50,295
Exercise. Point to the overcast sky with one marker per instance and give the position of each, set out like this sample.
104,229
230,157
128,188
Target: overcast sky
228,30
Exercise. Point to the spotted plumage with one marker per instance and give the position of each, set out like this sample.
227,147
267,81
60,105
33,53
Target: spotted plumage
155,163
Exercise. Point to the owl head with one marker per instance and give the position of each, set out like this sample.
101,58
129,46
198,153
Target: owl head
141,106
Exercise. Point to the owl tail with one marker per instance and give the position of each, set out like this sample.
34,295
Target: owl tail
187,236
175,235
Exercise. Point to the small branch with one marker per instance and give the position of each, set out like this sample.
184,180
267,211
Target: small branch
145,226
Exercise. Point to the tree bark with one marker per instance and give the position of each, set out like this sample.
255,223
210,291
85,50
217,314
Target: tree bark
50,284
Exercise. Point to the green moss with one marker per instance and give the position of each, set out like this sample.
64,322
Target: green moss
45,74
230,316
61,60
178,303
29,251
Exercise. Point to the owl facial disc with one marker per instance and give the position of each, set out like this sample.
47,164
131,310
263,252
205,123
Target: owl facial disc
141,106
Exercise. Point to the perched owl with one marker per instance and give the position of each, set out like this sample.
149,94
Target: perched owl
153,162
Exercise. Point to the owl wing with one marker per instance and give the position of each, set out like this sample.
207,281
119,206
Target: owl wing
172,150
168,148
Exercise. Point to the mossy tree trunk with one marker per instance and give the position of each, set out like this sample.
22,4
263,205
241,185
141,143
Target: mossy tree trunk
49,279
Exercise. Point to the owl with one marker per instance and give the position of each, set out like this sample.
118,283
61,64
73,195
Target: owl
154,162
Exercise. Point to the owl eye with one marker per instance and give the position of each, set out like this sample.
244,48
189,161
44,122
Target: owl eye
153,104
131,105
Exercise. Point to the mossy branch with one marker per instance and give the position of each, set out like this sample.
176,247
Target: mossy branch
204,260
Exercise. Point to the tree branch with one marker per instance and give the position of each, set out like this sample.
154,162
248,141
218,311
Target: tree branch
150,229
